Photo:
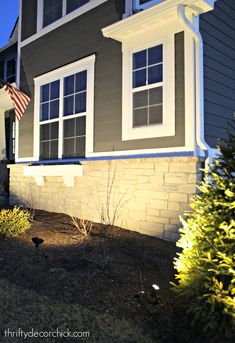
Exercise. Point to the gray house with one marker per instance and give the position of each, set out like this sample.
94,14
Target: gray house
128,99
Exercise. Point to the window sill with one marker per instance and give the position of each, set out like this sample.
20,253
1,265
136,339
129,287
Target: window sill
154,131
68,172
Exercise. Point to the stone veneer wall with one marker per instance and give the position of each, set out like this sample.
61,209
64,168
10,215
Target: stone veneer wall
151,193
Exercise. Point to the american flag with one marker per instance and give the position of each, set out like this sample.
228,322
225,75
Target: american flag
19,99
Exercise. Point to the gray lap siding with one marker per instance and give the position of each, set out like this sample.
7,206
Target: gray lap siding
218,32
75,40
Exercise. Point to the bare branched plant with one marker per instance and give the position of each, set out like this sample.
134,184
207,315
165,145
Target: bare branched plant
28,203
110,210
83,226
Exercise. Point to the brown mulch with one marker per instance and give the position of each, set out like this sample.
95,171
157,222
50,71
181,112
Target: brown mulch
104,271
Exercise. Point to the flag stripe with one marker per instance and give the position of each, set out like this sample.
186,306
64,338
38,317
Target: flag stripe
19,99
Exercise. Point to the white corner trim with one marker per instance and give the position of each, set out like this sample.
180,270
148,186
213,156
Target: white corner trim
65,19
189,89
67,172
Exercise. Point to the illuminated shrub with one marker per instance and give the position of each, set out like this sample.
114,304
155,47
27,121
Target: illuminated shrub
13,222
206,265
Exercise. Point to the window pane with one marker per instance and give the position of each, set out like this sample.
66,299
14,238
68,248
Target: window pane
155,114
44,132
74,137
45,93
73,4
80,126
44,111
80,102
69,128
52,10
69,85
54,109
81,81
69,150
54,130
80,147
54,149
44,151
55,90
68,105
140,99
140,117
155,96
155,55
139,78
139,59
49,141
155,74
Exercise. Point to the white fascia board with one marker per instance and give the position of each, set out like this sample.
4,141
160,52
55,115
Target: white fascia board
153,16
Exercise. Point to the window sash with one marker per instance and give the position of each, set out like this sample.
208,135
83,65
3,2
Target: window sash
147,87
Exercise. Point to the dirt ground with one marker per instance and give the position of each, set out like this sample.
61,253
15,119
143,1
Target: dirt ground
109,272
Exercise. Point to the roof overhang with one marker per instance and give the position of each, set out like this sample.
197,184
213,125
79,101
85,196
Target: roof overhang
153,17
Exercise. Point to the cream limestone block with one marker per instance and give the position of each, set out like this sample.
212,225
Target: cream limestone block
178,197
183,167
177,178
169,213
172,205
158,204
187,188
157,219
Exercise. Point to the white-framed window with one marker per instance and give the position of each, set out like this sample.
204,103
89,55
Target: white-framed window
55,9
148,109
143,4
64,111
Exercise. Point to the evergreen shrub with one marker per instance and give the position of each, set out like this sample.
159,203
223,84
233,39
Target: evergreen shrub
206,264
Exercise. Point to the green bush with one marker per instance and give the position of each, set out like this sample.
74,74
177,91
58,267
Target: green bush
13,222
206,265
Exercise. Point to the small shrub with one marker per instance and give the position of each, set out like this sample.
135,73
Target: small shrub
13,222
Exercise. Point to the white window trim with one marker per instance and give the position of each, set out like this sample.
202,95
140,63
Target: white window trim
63,20
88,64
167,128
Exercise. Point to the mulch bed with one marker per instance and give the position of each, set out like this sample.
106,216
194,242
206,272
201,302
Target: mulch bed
103,272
